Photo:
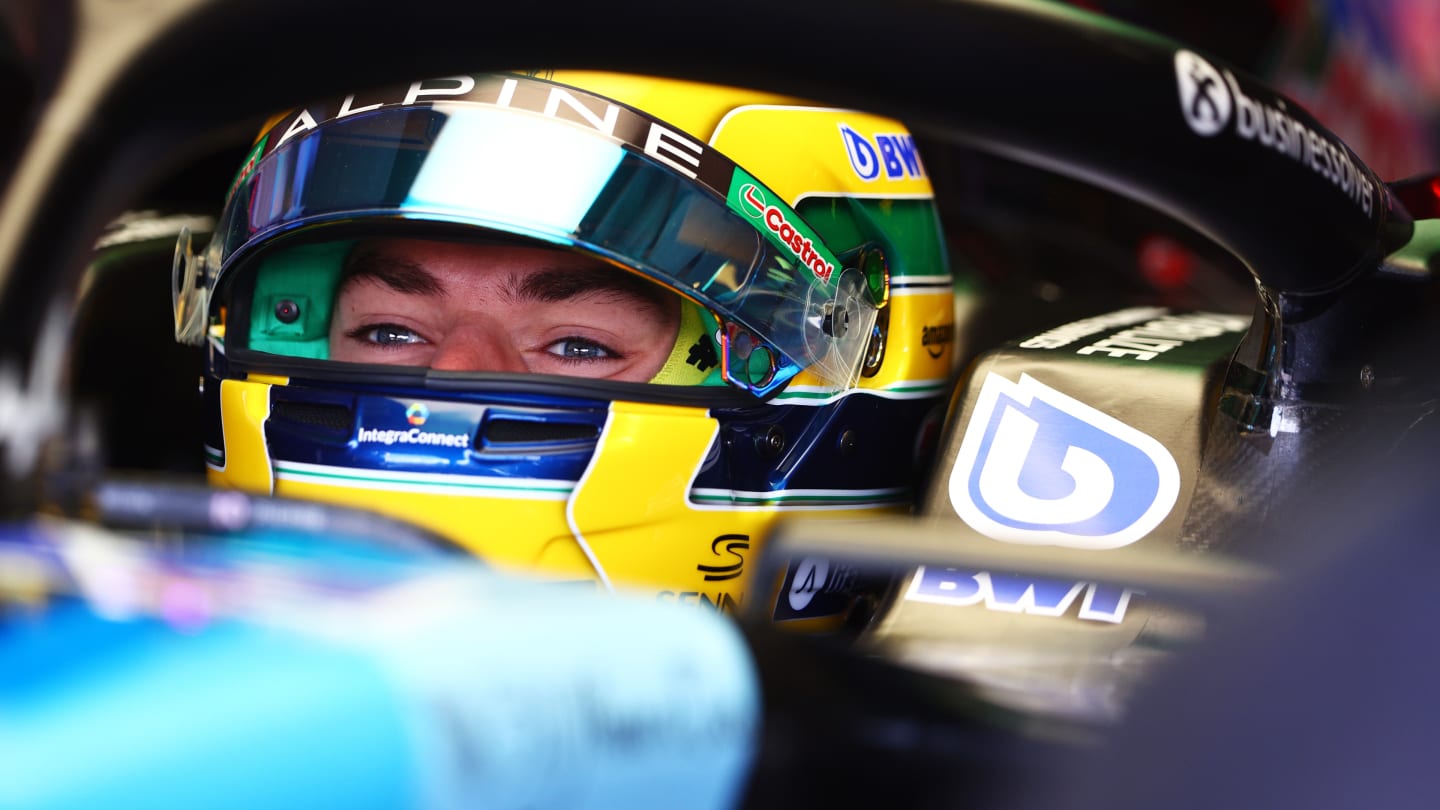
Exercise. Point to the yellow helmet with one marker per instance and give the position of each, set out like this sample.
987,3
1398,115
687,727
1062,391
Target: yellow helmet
789,254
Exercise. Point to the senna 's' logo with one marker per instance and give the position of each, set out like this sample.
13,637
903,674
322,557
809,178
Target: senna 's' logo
734,544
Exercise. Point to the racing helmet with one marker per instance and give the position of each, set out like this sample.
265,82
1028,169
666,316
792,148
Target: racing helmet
787,255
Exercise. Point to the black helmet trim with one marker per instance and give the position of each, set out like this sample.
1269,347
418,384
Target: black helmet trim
361,375
634,128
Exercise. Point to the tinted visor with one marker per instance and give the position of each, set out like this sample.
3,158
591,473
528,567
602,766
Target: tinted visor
784,304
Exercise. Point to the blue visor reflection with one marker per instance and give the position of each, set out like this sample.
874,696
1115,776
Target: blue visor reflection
561,183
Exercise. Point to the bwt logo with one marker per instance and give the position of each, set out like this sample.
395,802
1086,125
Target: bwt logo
1009,593
895,153
1036,466
1204,99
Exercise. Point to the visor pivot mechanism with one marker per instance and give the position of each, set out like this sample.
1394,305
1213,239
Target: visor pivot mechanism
188,294
835,321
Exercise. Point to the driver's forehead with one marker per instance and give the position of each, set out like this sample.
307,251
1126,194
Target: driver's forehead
460,269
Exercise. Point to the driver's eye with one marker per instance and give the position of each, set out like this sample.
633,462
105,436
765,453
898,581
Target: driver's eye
387,334
574,348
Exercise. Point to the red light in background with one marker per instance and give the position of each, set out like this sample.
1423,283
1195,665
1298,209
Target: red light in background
1420,195
1165,263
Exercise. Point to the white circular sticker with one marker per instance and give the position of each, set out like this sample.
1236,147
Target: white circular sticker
809,579
1204,98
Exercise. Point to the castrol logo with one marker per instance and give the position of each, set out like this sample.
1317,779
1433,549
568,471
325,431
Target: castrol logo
801,246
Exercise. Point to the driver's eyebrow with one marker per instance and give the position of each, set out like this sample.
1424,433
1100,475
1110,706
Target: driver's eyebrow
560,284
396,272
547,285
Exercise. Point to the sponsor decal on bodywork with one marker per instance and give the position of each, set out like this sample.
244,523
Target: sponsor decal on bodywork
1152,332
1062,336
1153,338
1011,593
1210,99
815,588
1037,466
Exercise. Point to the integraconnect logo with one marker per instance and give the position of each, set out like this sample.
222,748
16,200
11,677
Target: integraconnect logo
1203,98
413,436
1036,466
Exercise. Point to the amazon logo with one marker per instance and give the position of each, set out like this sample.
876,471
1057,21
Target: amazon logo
937,336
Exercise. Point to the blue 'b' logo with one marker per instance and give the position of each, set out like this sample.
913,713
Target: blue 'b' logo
863,158
1036,466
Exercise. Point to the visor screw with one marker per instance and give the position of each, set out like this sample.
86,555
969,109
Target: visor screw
287,311
1367,376
770,443
846,443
